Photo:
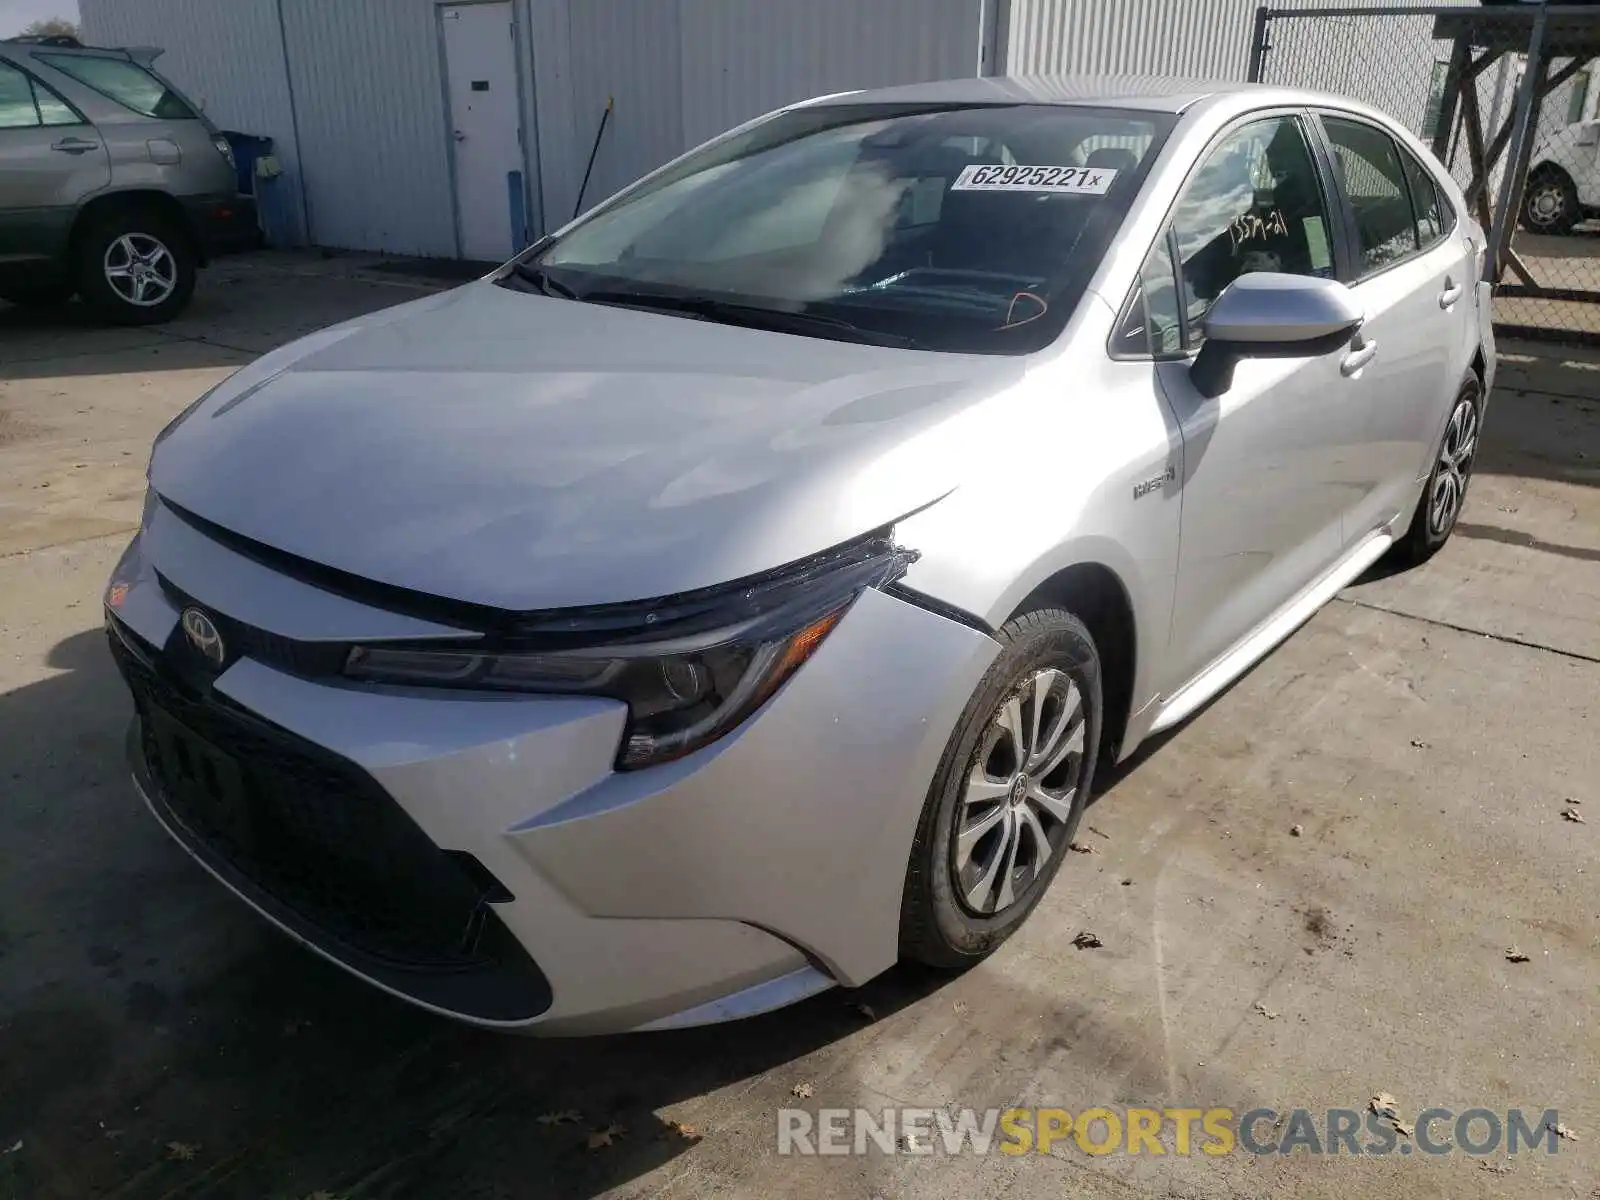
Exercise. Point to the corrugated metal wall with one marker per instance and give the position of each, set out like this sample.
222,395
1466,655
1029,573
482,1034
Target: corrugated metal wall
370,98
681,71
231,64
1208,39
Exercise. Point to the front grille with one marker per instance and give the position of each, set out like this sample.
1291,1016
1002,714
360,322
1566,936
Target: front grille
314,840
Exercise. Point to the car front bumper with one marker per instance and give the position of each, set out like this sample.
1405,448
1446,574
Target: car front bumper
756,871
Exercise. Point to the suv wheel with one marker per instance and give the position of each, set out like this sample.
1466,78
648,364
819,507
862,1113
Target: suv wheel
1010,790
136,267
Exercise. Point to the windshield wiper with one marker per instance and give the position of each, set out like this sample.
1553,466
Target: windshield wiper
751,316
542,281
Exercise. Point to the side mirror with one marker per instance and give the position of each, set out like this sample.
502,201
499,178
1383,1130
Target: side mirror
1268,315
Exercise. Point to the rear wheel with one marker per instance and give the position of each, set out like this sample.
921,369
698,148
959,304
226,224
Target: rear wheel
1550,202
1439,507
136,267
1009,793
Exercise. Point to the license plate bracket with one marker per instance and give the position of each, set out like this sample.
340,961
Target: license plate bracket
208,780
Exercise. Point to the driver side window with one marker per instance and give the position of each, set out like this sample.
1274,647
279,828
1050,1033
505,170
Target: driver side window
1254,204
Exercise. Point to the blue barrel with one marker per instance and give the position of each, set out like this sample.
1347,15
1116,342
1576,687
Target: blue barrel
247,148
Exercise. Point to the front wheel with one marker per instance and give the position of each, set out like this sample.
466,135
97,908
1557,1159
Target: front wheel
136,267
1439,507
1009,793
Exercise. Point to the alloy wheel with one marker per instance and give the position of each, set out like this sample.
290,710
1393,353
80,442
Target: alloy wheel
1016,809
140,269
1455,465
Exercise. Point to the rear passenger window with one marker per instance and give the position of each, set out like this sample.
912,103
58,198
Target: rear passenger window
1426,203
1369,166
129,84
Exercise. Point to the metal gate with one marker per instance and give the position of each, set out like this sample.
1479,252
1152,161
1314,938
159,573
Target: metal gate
1507,95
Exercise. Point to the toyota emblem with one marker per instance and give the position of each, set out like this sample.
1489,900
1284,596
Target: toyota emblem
203,636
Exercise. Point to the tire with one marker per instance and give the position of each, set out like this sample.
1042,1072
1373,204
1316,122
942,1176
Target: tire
1431,525
941,924
149,244
45,292
1550,202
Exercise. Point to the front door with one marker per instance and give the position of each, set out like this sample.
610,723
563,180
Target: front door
50,159
1266,465
485,129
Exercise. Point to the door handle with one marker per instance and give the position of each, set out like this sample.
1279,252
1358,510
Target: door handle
1360,355
1452,293
72,145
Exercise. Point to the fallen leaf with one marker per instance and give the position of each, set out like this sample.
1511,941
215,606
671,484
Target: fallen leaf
1087,941
1126,882
962,1008
1384,1104
1561,1131
1494,1168
1419,744
182,1151
13,1148
1081,848
1296,830
1514,955
1573,800
865,1010
567,1116
1401,1127
1264,1011
1573,815
803,1090
678,1129
913,1141
606,1137
1098,833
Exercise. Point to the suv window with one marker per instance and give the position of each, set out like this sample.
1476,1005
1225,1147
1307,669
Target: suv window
1427,204
25,103
129,84
1255,204
1369,164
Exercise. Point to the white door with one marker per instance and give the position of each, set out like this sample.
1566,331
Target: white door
481,75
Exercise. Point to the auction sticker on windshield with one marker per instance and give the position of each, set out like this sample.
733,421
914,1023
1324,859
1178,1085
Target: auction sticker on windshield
1077,181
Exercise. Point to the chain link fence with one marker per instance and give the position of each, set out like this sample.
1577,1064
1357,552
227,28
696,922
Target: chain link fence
1508,96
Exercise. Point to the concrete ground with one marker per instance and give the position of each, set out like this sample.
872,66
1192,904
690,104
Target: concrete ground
1424,733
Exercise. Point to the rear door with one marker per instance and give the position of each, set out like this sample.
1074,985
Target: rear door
50,159
1412,274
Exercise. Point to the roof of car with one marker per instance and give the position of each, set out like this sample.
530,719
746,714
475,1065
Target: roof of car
1152,93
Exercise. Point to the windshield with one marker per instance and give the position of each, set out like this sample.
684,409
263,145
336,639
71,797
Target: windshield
970,228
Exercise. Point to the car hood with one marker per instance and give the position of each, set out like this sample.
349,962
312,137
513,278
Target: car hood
528,453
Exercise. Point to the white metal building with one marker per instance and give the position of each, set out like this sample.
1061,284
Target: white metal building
453,128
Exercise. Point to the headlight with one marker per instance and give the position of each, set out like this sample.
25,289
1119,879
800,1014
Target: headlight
689,668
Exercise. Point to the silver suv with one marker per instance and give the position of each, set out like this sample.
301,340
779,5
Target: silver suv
113,186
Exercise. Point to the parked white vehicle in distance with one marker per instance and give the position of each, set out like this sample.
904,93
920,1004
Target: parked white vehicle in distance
1563,180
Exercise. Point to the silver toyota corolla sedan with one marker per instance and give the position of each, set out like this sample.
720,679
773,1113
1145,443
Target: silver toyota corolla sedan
736,592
